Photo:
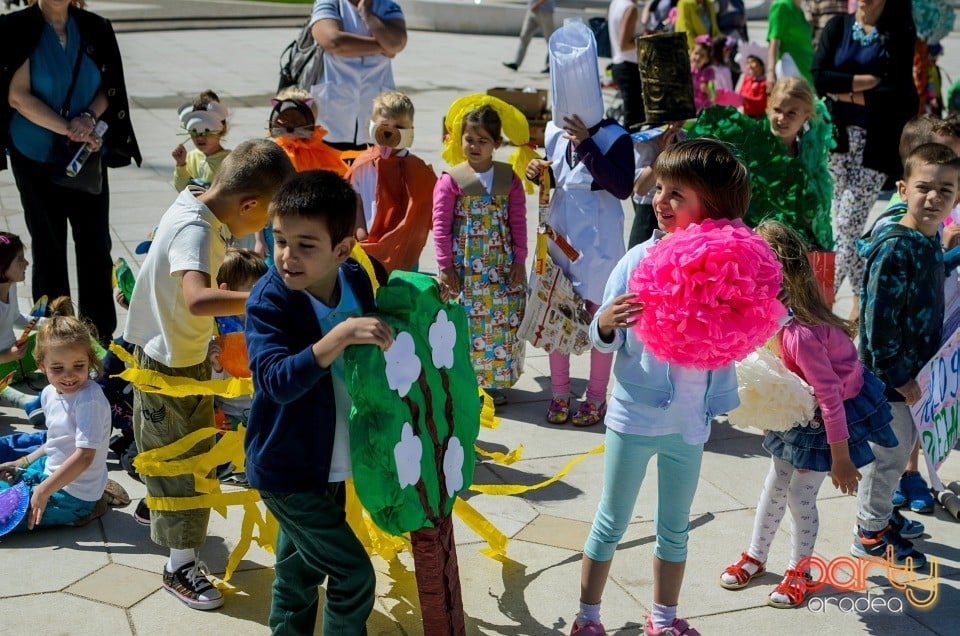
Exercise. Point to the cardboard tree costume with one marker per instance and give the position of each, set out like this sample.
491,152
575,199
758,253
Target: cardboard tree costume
413,423
404,204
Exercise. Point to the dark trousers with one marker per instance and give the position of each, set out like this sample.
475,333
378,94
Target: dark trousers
644,223
627,77
316,544
48,209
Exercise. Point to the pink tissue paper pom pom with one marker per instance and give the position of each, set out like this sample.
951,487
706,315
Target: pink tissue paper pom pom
710,292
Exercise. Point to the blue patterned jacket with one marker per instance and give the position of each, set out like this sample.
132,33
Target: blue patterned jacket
901,304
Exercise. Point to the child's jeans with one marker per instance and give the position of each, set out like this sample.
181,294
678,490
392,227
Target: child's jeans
315,543
879,478
600,365
62,507
624,467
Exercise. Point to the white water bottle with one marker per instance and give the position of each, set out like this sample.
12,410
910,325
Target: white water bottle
76,164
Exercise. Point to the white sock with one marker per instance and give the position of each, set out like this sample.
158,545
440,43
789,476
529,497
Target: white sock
663,615
748,567
179,558
588,613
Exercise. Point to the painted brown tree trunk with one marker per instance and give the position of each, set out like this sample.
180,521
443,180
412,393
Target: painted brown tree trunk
438,580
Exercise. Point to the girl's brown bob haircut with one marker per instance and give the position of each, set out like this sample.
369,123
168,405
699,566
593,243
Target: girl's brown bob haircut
709,168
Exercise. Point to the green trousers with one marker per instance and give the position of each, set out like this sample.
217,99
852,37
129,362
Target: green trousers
316,544
159,420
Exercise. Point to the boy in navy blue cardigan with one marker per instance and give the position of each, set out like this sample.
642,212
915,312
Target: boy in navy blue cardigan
300,318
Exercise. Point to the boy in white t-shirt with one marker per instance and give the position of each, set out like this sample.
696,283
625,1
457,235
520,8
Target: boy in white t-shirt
171,322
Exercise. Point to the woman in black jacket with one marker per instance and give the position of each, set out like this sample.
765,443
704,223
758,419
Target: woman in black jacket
44,47
863,63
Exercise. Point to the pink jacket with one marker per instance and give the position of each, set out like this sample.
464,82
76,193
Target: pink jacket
825,357
445,195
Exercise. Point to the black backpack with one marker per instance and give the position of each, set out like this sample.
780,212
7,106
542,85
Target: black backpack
601,34
301,63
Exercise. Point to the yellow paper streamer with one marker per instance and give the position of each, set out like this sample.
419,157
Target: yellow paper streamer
513,123
488,418
517,489
361,257
150,381
501,458
483,528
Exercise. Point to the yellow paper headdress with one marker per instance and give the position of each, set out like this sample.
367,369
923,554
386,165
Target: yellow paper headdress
514,126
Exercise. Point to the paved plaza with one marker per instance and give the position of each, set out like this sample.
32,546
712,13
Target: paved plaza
104,579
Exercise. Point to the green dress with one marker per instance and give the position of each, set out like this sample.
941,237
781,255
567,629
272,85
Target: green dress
790,26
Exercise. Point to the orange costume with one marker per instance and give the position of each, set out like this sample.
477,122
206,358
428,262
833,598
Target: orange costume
404,208
312,153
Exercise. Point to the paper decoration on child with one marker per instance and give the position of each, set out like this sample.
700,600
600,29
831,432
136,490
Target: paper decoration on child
710,292
411,439
14,502
574,80
772,397
797,191
123,278
7,380
233,346
39,311
934,19
513,123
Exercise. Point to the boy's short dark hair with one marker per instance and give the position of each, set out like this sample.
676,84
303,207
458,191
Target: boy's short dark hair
931,155
720,180
916,132
320,195
949,127
256,167
240,266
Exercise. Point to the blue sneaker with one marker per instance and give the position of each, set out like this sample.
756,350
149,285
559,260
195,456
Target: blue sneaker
875,549
907,528
916,493
899,499
35,412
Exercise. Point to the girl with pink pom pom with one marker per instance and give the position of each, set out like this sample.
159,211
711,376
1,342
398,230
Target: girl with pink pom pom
852,411
658,408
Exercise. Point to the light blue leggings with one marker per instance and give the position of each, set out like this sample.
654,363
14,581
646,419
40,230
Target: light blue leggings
625,464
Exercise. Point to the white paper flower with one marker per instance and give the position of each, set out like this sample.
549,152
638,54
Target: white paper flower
772,397
443,336
407,454
403,365
453,466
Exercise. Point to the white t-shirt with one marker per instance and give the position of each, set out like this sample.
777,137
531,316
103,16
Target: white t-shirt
78,420
349,85
340,467
614,20
10,317
189,238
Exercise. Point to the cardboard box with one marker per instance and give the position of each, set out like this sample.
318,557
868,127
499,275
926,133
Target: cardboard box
531,105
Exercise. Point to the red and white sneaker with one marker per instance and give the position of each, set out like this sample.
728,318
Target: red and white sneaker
590,628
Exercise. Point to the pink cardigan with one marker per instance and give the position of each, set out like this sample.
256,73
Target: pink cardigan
445,195
825,357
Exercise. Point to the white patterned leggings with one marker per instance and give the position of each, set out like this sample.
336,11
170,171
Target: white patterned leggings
786,486
855,190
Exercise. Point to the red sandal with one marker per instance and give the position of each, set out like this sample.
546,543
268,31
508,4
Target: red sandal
742,577
794,586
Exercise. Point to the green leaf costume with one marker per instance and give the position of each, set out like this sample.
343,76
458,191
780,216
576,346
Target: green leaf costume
416,408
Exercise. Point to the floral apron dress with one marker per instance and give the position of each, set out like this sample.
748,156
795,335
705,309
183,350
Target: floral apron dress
482,256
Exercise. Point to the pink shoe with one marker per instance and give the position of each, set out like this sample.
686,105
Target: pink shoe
589,629
680,627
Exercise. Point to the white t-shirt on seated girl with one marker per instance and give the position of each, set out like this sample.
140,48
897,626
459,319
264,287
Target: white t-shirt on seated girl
78,420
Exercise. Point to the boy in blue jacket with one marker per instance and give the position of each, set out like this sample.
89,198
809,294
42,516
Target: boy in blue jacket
300,317
901,321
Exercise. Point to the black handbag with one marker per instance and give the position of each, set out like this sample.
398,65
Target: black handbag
90,177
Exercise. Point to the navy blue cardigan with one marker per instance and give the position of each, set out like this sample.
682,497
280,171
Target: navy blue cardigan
289,440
